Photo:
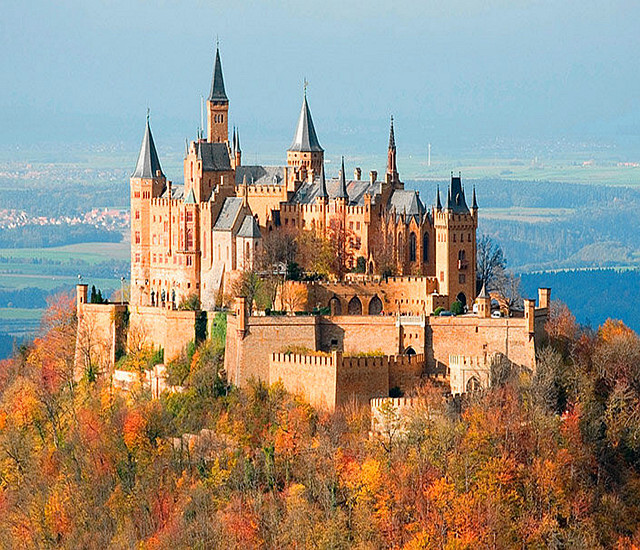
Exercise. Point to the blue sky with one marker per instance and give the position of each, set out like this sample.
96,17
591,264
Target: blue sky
455,70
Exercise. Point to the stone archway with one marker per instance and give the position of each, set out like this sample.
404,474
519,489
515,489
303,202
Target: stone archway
335,306
375,306
473,385
462,299
355,306
410,351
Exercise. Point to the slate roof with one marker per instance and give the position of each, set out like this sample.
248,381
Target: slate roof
177,192
305,138
228,213
191,198
356,190
406,201
148,163
214,156
260,175
218,92
456,201
249,228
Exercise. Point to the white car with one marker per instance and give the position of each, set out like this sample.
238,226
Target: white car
497,314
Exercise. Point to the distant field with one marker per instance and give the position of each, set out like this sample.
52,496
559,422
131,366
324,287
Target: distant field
88,252
19,322
530,215
48,282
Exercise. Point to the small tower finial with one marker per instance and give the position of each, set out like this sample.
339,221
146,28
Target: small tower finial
217,41
148,111
305,85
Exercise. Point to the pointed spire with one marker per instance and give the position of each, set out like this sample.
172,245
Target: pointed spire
483,292
392,137
449,202
305,138
342,187
474,203
237,138
186,147
438,203
218,93
148,163
233,141
322,192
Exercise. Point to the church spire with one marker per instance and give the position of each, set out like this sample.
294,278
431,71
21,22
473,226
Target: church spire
342,186
322,192
148,163
218,93
474,203
392,168
305,138
438,203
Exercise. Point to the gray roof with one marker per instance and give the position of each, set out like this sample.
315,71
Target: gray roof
406,201
191,198
228,214
456,201
305,138
260,175
342,186
249,228
218,93
214,156
483,292
148,163
177,192
356,190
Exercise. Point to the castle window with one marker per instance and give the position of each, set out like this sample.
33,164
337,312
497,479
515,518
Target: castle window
136,195
189,260
350,225
469,237
189,216
412,247
461,255
137,238
454,237
137,258
461,278
442,276
137,214
358,226
189,239
425,248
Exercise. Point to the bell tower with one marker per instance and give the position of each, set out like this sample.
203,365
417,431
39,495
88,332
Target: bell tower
305,152
217,106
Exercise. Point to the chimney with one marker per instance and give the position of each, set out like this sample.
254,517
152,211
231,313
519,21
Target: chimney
357,174
373,176
544,297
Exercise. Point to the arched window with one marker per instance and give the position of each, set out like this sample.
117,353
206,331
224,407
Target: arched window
375,306
335,306
409,351
412,247
189,239
461,255
355,306
473,385
425,248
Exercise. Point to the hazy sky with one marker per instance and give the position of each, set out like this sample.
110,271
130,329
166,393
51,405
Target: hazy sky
85,71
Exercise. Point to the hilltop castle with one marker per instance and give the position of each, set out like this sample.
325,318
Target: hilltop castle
190,239
370,334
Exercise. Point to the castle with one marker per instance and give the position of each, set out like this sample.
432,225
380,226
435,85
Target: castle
376,334
190,239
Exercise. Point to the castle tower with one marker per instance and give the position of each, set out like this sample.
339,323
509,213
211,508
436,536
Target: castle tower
305,152
217,106
484,303
147,182
392,168
455,229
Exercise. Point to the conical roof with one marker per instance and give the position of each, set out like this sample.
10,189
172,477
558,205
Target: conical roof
305,138
322,191
392,137
474,203
438,202
148,163
217,84
342,186
483,292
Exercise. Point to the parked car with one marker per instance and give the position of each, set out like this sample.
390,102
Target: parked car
497,314
446,313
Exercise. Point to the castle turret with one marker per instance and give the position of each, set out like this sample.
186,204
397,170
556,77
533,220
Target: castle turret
455,228
147,182
217,106
237,152
342,185
305,151
484,303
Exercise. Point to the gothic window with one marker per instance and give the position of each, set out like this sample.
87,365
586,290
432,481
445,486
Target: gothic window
137,237
473,385
335,306
189,239
412,247
461,255
425,248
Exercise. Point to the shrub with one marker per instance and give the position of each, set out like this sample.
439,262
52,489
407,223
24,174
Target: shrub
438,311
457,308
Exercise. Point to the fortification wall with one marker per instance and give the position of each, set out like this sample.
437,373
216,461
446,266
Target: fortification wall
405,371
361,378
163,328
98,336
313,376
359,333
247,351
474,336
